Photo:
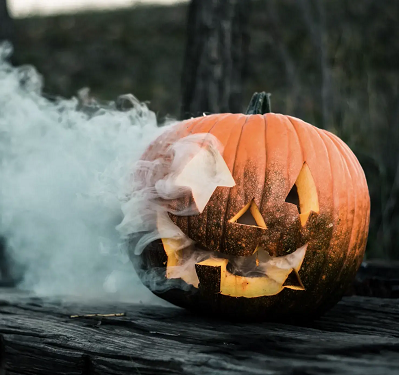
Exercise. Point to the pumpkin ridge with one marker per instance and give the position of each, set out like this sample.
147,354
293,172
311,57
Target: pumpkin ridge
207,207
190,200
208,123
292,179
352,242
348,174
297,136
240,119
232,173
264,180
314,258
289,156
365,203
198,123
243,119
331,247
249,176
287,176
149,153
275,305
357,246
351,254
345,215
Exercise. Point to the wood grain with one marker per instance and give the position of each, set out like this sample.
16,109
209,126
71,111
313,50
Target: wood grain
359,336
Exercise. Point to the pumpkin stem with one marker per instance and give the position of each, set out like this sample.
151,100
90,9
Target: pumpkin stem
259,104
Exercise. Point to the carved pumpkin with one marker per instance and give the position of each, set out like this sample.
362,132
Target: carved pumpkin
296,212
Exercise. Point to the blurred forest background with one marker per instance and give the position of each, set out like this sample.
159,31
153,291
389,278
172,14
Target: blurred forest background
333,63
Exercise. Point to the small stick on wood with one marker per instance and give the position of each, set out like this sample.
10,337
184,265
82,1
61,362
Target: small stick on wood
116,315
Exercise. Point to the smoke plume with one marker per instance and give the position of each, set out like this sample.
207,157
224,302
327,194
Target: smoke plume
62,172
74,192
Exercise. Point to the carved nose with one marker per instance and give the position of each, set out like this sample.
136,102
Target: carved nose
244,231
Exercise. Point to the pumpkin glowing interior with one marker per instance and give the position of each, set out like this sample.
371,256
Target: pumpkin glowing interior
276,269
249,215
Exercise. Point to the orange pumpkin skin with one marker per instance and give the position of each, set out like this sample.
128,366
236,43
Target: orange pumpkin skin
265,154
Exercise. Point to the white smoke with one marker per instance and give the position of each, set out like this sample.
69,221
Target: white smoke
61,180
156,184
65,168
190,167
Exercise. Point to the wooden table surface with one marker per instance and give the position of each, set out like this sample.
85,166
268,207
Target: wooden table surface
359,336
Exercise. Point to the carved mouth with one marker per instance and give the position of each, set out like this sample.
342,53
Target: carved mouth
251,271
255,276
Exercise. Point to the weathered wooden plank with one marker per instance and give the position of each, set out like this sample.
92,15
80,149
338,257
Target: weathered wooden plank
359,336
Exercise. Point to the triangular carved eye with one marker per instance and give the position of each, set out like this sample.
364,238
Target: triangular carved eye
249,215
293,197
304,194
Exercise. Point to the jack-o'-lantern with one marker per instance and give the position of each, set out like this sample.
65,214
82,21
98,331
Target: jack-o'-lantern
281,234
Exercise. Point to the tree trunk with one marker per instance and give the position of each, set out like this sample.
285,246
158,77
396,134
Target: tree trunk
6,25
217,46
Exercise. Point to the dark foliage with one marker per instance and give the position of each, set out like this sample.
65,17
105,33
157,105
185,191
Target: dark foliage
332,63
6,24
